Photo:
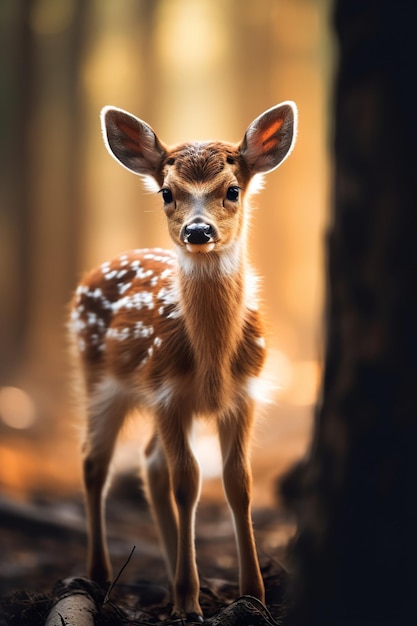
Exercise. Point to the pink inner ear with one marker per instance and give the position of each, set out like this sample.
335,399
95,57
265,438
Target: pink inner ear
269,132
128,131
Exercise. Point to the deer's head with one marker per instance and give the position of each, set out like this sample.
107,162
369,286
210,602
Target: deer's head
203,184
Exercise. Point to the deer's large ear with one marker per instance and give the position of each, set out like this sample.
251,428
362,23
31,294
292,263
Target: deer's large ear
131,142
270,138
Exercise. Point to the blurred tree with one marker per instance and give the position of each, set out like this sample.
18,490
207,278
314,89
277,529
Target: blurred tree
40,151
356,550
18,86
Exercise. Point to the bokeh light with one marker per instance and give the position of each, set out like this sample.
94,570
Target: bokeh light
17,409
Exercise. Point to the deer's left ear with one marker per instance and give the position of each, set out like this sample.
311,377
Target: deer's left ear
132,142
270,138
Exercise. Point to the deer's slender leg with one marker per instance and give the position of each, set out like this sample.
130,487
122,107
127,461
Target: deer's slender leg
162,500
185,480
235,432
106,411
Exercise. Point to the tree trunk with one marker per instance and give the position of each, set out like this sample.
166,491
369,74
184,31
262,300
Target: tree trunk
17,66
354,497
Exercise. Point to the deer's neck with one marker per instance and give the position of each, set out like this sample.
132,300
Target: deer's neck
212,299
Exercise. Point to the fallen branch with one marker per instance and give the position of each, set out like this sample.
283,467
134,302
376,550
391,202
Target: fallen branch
245,611
76,604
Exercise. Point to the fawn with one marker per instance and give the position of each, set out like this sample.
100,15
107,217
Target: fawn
179,334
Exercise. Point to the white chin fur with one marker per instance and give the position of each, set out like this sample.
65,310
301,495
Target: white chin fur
199,248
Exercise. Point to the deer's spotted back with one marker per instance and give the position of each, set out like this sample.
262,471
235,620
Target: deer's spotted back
126,300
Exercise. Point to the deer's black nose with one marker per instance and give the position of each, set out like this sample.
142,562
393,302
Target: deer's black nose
198,233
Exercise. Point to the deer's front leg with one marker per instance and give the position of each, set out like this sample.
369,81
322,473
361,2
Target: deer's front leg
235,432
105,417
185,480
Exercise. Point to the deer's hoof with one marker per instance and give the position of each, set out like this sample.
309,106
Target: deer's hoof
187,618
194,618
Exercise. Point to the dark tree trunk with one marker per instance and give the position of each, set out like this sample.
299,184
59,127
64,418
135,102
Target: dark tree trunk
41,140
18,89
354,497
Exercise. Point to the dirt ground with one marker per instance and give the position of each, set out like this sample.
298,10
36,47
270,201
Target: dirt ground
42,542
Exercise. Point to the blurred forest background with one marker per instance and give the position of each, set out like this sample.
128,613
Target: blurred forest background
193,69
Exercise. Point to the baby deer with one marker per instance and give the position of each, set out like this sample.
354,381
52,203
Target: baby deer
179,335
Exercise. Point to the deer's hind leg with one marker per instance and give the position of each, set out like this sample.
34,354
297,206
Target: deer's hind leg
162,501
106,410
174,426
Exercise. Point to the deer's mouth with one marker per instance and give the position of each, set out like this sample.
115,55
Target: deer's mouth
200,248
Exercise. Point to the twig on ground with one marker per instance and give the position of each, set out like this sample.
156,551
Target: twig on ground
113,584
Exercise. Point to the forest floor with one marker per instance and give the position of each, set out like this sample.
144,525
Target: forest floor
44,541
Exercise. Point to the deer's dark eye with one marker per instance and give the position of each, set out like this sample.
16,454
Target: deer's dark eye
233,193
167,195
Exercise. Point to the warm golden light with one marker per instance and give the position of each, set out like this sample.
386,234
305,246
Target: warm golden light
207,451
192,70
278,371
190,24
304,386
17,409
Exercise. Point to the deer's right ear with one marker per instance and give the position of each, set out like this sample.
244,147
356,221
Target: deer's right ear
270,138
131,142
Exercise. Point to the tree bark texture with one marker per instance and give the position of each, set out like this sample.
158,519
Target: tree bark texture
354,496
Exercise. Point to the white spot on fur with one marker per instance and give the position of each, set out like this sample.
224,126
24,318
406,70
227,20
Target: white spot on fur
141,331
91,318
141,273
260,341
174,315
76,323
100,323
144,361
135,301
165,273
124,287
120,334
110,275
161,258
167,295
162,293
